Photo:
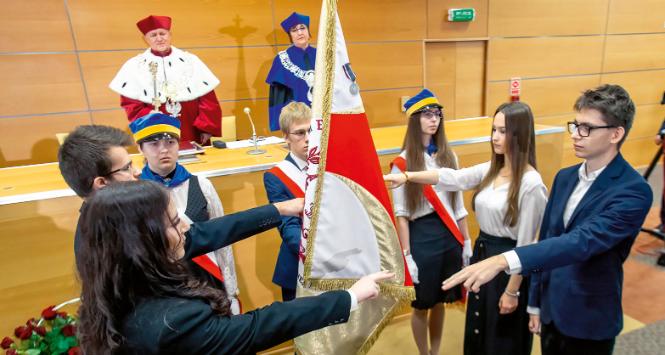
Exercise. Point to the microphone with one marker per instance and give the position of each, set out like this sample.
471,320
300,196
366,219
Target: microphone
256,149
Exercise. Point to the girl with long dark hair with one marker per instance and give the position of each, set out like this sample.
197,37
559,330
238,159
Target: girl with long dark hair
431,223
509,201
138,296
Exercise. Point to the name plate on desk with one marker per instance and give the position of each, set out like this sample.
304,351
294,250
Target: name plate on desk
248,143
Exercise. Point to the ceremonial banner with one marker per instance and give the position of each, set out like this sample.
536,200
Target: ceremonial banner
348,225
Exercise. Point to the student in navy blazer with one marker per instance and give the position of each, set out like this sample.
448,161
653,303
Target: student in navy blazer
592,218
287,181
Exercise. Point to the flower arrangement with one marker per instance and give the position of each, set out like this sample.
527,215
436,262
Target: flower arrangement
54,333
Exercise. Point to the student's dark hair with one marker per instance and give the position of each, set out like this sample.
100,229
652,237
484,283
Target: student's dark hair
415,158
84,155
613,102
125,256
521,148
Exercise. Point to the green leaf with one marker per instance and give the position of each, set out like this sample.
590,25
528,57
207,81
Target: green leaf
33,352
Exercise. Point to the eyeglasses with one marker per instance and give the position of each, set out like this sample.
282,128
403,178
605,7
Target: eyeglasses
429,114
301,133
582,129
295,29
126,168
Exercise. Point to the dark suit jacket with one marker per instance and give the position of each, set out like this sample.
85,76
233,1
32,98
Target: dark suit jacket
188,326
286,268
577,271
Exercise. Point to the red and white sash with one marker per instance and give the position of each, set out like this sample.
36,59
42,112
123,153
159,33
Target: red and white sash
433,199
292,177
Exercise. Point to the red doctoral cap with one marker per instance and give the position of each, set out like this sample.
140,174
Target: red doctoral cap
154,22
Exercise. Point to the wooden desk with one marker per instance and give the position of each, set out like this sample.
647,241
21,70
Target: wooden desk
38,216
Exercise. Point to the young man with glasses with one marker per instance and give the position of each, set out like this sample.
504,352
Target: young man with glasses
287,181
157,136
592,218
291,76
92,157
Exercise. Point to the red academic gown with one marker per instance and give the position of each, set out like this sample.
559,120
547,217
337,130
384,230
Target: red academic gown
201,115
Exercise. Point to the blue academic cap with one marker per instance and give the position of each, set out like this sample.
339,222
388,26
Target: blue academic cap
293,20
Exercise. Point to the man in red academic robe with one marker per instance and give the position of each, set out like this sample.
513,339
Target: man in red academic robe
183,85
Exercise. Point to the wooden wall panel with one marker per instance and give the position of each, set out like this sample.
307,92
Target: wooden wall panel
362,21
383,107
639,152
387,65
636,16
644,87
31,140
99,68
549,96
545,56
634,52
455,73
470,79
648,119
546,17
34,25
439,27
40,84
111,24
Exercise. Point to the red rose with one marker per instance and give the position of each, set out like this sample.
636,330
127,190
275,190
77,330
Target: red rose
49,313
74,351
69,330
40,330
19,330
11,352
6,342
31,322
23,332
62,314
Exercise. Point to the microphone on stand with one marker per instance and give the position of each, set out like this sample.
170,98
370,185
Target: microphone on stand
256,149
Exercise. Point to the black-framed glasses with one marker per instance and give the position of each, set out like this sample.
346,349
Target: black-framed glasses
301,132
583,129
125,168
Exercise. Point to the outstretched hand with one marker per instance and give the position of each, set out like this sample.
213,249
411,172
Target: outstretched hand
478,274
367,287
292,207
394,180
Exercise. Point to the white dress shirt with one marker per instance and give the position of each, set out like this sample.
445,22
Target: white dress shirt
492,202
399,197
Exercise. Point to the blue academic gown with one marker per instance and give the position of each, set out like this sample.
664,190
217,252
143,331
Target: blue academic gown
577,270
286,87
286,269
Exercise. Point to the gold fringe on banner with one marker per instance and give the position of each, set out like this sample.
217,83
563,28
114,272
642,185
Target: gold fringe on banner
326,107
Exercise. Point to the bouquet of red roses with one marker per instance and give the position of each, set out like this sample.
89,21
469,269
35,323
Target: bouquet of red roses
54,333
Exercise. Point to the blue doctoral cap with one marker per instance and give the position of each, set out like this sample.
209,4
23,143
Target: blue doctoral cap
293,20
421,100
155,124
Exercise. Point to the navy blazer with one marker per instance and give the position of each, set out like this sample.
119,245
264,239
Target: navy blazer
577,271
286,268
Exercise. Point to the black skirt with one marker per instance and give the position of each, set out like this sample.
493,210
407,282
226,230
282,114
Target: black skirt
486,331
438,255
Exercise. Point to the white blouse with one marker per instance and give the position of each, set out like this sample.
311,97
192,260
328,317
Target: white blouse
399,197
492,203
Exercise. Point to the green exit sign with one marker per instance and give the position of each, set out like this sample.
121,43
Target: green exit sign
461,15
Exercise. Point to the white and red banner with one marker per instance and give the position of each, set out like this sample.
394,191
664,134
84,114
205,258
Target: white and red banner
348,225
